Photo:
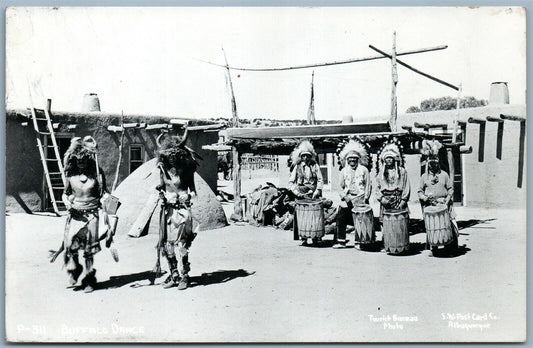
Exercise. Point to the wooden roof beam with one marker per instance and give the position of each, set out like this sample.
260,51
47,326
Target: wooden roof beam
158,126
308,131
430,125
476,120
130,125
115,128
494,119
512,118
206,127
178,121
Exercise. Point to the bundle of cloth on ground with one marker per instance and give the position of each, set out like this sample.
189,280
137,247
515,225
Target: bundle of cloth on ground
271,205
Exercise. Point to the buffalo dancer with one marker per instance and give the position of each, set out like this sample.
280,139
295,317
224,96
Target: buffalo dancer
177,165
83,195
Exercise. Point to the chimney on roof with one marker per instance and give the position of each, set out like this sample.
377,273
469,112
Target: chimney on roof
499,93
347,119
91,103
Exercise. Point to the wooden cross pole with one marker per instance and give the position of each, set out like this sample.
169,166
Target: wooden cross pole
394,101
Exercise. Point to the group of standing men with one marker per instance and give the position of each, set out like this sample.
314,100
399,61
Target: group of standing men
393,188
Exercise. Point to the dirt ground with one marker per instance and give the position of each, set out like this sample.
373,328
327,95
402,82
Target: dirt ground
257,284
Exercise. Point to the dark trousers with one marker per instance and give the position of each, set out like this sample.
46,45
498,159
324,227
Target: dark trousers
344,217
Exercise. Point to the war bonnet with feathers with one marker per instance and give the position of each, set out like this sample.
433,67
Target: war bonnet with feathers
353,147
305,146
430,149
391,148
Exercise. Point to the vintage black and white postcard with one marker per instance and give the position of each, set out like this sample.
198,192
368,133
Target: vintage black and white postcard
265,174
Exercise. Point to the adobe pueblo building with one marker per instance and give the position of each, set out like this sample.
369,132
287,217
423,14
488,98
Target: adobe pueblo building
486,160
28,183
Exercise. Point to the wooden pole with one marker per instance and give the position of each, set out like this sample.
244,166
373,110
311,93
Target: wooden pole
415,70
521,153
499,136
481,148
394,102
451,166
237,208
115,182
522,145
311,111
354,60
233,103
456,116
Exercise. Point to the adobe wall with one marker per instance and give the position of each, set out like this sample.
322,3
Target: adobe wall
493,182
24,189
24,172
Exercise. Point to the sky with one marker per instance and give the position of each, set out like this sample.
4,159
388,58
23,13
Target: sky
150,60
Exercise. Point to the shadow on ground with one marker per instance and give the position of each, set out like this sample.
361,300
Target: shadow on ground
417,225
415,248
114,282
473,222
445,252
218,277
119,281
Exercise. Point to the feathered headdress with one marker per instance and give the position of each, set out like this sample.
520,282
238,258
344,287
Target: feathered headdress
80,148
430,151
391,148
354,147
296,155
430,148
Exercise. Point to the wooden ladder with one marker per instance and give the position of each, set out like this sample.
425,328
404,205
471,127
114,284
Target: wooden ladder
51,160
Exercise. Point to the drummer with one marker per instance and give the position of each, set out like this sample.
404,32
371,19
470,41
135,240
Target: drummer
393,188
355,186
436,187
306,178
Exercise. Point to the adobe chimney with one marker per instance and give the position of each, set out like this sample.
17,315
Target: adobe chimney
91,103
499,93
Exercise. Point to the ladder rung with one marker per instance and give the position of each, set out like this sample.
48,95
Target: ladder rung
58,187
52,159
55,173
44,133
41,119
